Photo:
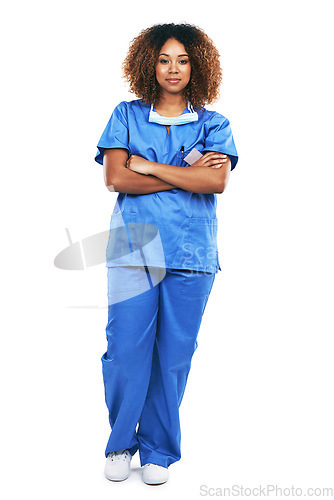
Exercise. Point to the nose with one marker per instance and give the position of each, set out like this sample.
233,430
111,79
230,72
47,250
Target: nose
173,67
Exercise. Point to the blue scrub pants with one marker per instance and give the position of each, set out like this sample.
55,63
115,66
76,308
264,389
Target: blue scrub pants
153,322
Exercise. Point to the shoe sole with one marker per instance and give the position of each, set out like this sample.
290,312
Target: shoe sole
117,479
155,484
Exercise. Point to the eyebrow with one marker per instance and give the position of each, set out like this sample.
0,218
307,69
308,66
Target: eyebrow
181,55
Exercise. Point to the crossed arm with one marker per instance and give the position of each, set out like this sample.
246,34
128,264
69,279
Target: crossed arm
136,175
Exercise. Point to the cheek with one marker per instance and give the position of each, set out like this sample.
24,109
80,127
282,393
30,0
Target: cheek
187,69
159,73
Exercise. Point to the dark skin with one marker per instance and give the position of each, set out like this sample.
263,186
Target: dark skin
119,178
203,176
136,175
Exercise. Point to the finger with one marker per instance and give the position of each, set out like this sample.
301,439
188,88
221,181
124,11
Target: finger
217,162
221,160
214,154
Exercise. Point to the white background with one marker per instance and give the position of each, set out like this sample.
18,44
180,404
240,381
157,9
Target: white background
258,408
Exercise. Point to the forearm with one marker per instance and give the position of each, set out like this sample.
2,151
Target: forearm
196,179
134,183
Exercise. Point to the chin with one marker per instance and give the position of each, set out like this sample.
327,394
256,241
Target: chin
173,90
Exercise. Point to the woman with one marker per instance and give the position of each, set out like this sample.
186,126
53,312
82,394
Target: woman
162,253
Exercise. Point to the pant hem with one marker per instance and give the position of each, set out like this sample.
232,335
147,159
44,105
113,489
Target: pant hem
132,450
158,460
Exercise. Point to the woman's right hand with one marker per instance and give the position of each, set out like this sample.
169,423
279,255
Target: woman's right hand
211,159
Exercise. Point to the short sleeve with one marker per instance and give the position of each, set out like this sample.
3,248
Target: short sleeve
116,133
219,138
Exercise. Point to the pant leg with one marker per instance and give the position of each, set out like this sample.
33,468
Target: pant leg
126,365
182,300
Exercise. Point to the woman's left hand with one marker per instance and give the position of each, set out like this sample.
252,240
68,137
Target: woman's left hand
138,164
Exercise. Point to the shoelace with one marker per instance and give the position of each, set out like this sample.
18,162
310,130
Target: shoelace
119,454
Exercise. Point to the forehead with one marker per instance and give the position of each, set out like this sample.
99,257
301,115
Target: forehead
173,46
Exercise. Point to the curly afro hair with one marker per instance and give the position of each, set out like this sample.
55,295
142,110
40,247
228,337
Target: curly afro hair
140,62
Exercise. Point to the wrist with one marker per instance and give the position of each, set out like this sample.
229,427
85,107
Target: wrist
151,167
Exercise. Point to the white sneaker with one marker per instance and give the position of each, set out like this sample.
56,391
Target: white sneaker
155,474
118,465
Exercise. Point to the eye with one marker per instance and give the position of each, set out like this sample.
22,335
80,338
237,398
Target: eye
183,61
163,61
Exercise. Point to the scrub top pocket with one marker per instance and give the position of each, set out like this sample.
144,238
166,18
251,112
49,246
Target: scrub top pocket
198,246
119,249
181,155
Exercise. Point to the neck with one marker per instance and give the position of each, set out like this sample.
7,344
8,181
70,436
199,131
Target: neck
171,102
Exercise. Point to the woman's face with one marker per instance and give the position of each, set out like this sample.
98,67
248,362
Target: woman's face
173,67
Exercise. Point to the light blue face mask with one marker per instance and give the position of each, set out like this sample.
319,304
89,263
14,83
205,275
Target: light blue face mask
192,116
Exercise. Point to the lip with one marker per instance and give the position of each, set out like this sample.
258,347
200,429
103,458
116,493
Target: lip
173,80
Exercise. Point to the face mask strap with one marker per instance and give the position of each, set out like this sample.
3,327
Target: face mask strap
190,107
174,120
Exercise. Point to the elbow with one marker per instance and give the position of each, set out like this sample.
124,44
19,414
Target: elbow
223,183
112,185
112,178
221,187
223,180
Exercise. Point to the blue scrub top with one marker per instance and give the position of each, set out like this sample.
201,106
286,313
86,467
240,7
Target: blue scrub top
173,228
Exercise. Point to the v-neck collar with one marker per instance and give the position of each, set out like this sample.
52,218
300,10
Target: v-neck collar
183,112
